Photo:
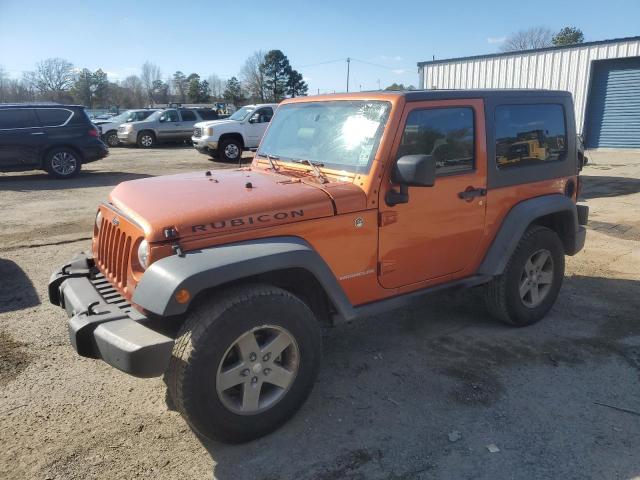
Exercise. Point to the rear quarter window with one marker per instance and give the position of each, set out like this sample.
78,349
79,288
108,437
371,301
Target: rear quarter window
53,117
529,134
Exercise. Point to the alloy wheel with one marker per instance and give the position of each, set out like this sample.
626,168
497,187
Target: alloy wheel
64,163
231,151
146,141
536,278
257,370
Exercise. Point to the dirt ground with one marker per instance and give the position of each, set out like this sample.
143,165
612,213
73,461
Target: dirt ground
417,393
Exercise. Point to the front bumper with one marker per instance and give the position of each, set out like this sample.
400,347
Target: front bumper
204,144
103,325
128,138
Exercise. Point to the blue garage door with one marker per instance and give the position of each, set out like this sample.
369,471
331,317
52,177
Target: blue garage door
613,118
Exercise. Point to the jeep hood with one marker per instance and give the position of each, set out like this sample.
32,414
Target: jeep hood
197,204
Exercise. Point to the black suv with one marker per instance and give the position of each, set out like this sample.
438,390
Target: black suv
50,137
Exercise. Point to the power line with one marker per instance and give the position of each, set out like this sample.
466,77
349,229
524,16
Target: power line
321,63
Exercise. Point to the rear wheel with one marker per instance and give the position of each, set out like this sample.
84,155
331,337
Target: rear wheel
530,284
230,150
111,139
244,362
62,163
146,140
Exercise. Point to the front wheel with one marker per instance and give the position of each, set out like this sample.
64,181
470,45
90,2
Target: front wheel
230,150
531,281
244,362
146,140
111,139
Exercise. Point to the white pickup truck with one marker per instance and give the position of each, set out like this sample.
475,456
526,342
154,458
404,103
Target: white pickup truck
226,139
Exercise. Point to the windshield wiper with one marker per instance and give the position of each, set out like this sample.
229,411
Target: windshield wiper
316,168
271,159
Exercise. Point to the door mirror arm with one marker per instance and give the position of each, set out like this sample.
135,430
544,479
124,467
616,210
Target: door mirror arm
393,198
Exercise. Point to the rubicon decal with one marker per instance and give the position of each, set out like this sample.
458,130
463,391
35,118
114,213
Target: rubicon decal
248,220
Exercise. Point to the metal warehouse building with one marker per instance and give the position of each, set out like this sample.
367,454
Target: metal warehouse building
604,78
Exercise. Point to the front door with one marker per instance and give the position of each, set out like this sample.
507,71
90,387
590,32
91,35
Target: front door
257,125
169,125
435,236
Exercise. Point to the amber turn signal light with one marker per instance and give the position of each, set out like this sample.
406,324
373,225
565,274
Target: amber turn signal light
182,295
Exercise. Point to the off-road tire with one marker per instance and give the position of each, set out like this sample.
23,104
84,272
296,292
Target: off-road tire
222,150
56,171
142,141
502,296
209,331
111,139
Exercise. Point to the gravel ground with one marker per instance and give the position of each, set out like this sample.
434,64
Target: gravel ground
417,393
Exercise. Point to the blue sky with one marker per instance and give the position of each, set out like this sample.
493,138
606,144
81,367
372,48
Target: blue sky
216,36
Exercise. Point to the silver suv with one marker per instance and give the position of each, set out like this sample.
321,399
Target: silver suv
169,125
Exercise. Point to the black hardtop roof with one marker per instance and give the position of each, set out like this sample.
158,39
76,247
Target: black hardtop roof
417,95
38,105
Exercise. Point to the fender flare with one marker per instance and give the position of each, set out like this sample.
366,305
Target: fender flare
516,222
199,270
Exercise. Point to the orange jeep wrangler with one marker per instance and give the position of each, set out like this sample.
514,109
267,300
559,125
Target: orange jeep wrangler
354,204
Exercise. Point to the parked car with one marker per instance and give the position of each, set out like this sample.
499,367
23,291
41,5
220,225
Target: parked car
54,138
168,125
109,127
227,138
354,204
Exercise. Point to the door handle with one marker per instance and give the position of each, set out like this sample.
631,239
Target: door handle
37,133
470,193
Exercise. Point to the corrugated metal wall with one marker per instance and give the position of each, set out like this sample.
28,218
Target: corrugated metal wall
556,69
613,110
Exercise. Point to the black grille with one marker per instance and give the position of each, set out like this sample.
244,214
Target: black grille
109,294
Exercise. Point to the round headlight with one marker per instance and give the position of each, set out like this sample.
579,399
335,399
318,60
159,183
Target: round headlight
143,254
98,219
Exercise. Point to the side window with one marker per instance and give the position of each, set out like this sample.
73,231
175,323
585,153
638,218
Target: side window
53,117
188,115
171,116
529,134
17,118
266,114
445,133
208,114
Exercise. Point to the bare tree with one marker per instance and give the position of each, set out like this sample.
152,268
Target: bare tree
252,76
52,78
149,75
4,85
133,85
537,37
216,87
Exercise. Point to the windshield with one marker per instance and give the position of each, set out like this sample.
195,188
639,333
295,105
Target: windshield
123,117
341,134
241,114
154,115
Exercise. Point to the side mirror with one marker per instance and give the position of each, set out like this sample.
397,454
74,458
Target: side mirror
411,171
254,119
162,119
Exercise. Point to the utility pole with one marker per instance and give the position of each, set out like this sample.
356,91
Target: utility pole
348,64
379,85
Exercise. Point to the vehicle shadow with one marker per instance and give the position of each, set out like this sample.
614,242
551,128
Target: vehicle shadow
605,186
393,387
16,290
86,179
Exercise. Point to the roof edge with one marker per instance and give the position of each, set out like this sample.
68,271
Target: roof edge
524,52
